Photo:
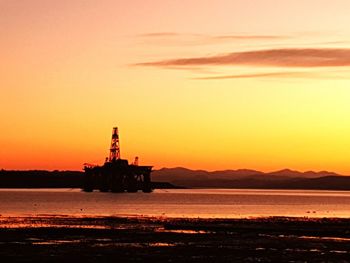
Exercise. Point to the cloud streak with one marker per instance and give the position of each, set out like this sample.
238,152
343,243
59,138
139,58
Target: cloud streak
159,34
166,38
248,37
285,57
217,37
264,75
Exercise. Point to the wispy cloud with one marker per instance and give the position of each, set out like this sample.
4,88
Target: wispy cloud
202,39
159,34
285,57
265,75
228,37
248,37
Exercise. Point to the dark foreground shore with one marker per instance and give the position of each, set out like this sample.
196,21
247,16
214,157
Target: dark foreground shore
118,239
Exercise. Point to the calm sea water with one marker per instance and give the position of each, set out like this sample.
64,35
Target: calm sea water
213,203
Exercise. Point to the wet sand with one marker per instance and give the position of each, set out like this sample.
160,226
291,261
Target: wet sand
148,239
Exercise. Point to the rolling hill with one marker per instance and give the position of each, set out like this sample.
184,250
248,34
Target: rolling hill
246,178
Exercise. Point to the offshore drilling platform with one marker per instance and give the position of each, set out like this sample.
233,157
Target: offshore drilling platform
116,174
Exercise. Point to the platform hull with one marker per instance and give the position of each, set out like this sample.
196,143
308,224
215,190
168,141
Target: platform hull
117,176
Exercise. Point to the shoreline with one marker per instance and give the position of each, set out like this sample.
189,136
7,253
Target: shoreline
159,239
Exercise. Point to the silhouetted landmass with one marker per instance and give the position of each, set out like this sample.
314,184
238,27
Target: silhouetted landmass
168,178
244,178
180,173
164,185
40,179
52,179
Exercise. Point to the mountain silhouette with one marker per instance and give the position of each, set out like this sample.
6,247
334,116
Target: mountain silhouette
246,178
308,174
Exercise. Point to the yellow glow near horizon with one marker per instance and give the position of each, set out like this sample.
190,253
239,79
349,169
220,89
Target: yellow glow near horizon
69,74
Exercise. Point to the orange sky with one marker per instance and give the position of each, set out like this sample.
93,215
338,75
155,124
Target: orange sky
222,84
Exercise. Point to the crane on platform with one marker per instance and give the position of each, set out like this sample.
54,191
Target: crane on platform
136,161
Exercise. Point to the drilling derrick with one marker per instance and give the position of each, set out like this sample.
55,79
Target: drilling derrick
114,152
116,174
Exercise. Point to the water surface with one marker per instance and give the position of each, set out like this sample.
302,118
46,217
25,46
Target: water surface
205,203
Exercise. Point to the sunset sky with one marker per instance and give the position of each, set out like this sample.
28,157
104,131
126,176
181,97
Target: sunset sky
222,84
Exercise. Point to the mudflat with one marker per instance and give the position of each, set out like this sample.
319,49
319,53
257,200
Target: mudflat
157,239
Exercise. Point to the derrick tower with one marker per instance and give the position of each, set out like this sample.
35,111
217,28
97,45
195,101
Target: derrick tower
114,152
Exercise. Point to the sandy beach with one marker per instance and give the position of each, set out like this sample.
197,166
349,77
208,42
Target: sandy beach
156,239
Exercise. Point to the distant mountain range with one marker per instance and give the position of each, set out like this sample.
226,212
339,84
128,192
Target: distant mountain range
184,173
245,178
